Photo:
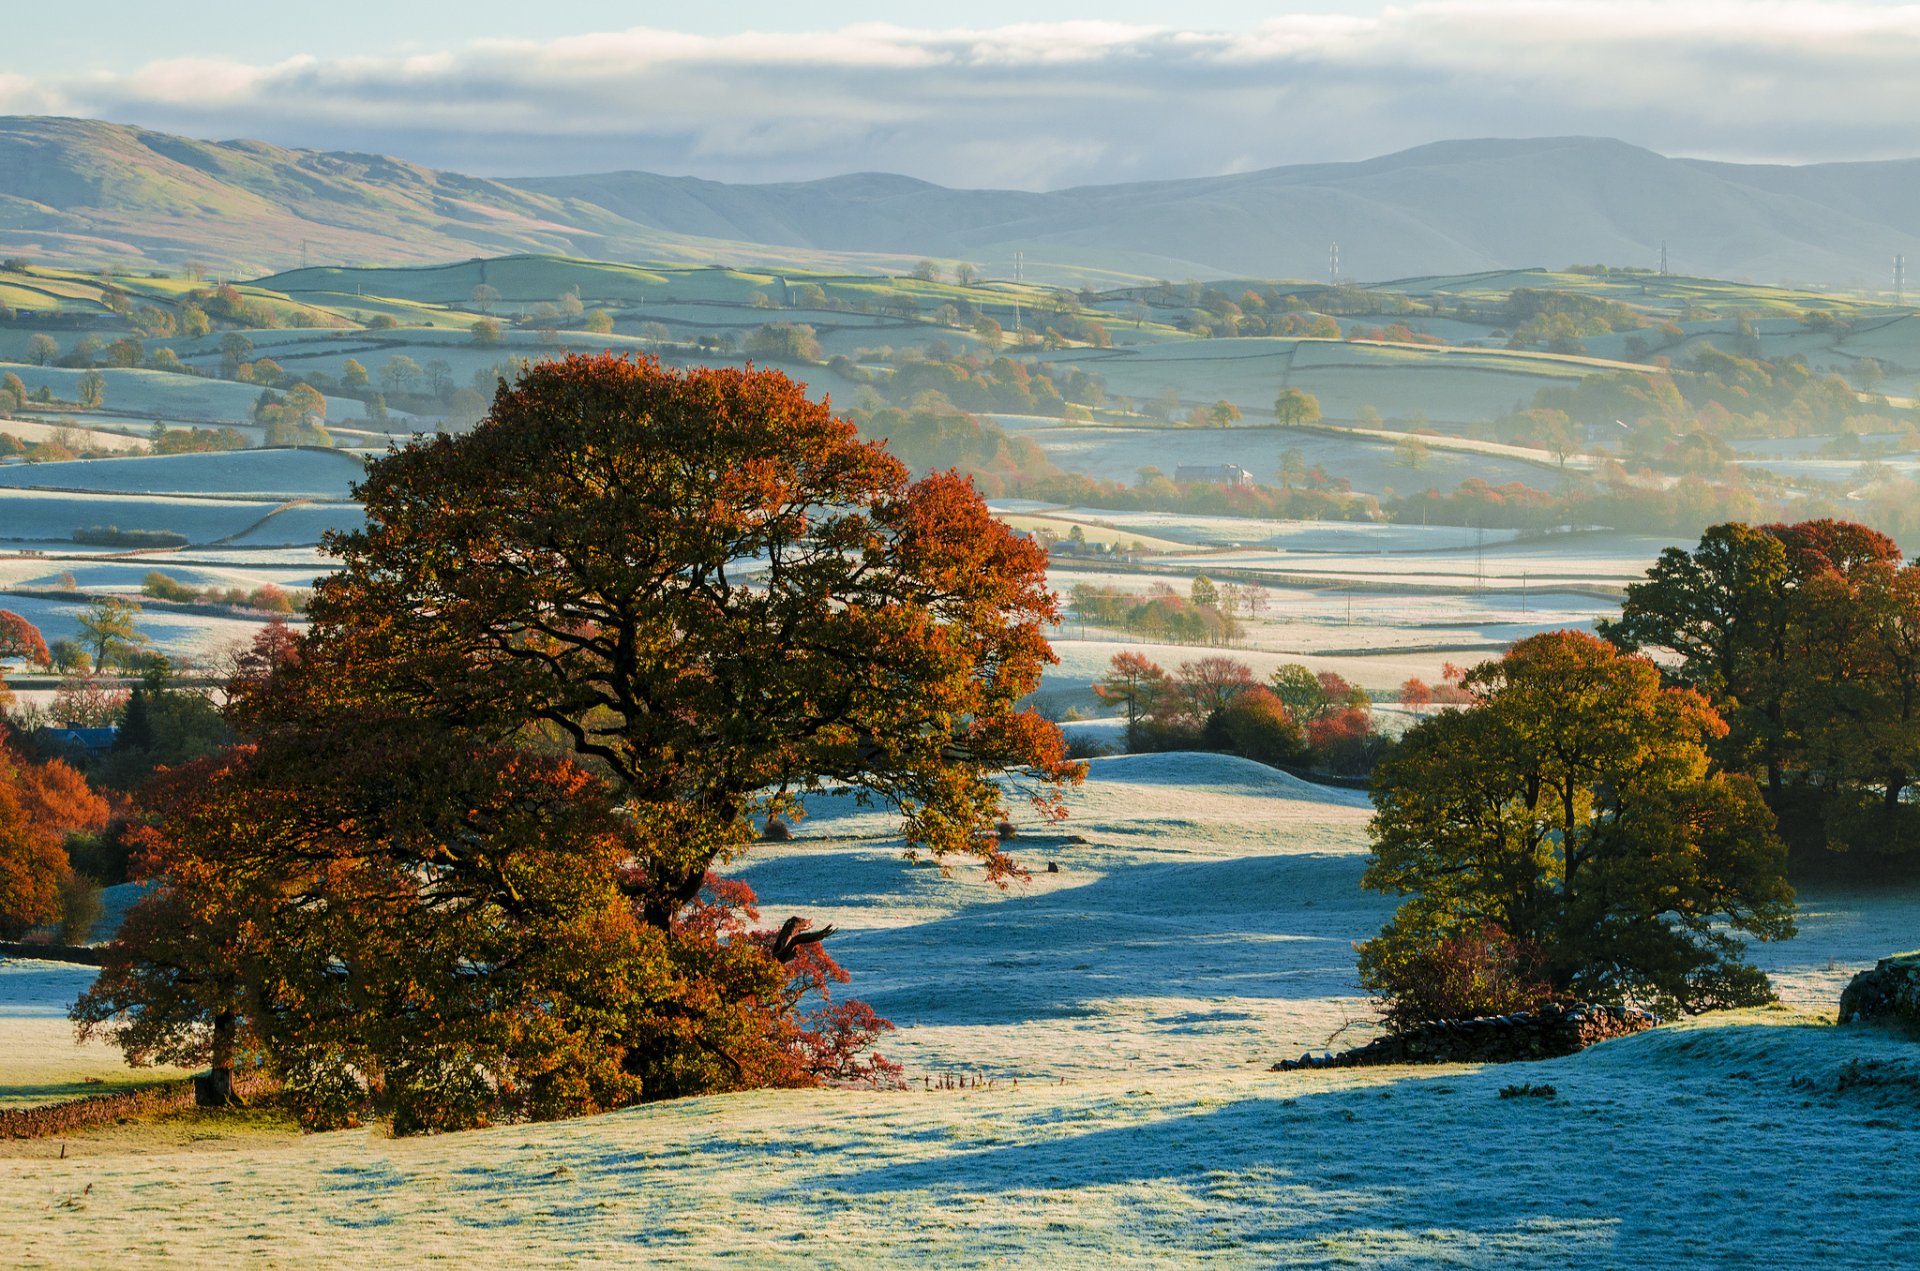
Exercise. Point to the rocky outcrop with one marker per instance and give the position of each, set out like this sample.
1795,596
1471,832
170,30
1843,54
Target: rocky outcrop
1888,994
1547,1033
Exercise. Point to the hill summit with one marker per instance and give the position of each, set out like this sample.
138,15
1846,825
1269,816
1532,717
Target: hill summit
87,192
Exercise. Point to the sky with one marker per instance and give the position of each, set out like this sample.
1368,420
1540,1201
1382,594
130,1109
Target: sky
985,93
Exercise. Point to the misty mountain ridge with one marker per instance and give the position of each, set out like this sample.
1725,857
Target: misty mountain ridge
87,192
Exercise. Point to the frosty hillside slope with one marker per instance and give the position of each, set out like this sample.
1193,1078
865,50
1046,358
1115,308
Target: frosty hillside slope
1126,1010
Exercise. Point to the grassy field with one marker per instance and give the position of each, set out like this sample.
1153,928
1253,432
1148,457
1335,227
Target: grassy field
31,431
278,474
39,516
160,394
1125,1011
1119,453
40,1060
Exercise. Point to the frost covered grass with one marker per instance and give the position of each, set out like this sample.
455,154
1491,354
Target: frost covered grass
1368,537
1118,453
28,430
40,516
273,474
174,633
303,525
40,1062
150,395
1575,560
1125,1011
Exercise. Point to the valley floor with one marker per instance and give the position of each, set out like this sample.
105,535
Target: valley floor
1120,1016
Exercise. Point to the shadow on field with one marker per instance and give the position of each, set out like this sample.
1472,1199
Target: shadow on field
1674,1147
1269,927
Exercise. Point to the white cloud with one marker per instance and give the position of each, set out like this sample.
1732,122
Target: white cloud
1051,104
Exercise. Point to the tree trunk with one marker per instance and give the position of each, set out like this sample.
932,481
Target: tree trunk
214,1089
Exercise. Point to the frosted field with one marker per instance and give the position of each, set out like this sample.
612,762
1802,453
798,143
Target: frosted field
1847,472
1358,537
29,430
1572,560
39,516
302,526
1126,1010
128,575
191,635
278,474
1375,628
1118,454
167,395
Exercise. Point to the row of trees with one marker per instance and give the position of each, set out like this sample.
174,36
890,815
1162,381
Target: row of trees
1298,718
1806,639
1204,616
1595,825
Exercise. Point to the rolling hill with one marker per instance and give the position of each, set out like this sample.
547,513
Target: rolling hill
88,192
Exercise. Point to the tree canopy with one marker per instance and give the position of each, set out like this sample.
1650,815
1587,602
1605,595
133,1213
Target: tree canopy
1571,806
464,867
40,804
704,582
1296,406
1805,637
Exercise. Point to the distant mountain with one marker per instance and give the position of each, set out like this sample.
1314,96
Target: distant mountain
81,191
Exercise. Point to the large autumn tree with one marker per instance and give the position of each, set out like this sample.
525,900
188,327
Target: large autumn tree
1571,808
705,584
572,659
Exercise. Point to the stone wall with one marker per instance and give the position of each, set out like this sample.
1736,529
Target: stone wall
1547,1033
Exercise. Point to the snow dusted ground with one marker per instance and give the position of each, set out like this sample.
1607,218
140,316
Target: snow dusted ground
1126,1010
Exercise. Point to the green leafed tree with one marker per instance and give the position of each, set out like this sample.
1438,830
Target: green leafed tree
110,625
1572,807
1295,407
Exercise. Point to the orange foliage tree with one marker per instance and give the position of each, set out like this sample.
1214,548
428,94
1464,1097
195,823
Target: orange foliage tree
19,640
40,804
577,653
706,584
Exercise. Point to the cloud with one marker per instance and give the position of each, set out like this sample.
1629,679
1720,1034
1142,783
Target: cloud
1044,105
